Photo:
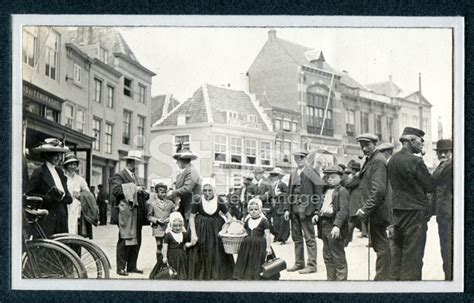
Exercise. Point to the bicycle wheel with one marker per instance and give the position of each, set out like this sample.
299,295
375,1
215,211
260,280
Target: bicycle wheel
47,259
93,258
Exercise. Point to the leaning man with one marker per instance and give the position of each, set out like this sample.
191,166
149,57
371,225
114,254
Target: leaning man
373,186
411,182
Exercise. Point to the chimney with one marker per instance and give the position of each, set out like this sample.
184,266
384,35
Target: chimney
244,82
345,72
390,79
272,34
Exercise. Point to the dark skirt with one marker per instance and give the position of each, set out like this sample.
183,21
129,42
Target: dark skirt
251,256
281,228
177,259
207,259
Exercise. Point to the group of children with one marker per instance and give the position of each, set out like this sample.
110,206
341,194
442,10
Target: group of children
172,240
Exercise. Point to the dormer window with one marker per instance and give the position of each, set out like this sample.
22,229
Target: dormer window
232,115
183,119
103,54
252,118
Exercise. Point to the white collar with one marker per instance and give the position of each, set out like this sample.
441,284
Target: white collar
50,165
252,223
177,236
132,174
209,206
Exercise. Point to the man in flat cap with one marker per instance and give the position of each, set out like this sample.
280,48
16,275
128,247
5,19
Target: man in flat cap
411,182
241,196
305,191
443,203
263,188
373,186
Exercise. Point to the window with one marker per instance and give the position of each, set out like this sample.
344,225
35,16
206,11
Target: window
378,126
251,151
183,119
110,96
265,153
286,152
29,48
415,121
390,129
183,139
127,123
232,115
405,118
141,131
142,91
277,124
286,125
108,137
80,119
103,54
350,122
77,74
294,126
364,122
51,55
252,118
69,115
96,132
97,90
278,150
127,87
236,150
220,148
315,112
425,124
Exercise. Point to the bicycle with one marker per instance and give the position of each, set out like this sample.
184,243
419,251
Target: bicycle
95,261
45,258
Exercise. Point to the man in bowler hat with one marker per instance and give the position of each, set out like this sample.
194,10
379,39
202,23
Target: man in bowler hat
443,203
411,182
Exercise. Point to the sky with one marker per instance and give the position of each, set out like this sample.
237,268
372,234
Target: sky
184,58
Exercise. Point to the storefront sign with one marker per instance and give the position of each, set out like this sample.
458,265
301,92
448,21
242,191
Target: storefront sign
36,94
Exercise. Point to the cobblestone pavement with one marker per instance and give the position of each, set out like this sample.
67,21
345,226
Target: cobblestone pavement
356,253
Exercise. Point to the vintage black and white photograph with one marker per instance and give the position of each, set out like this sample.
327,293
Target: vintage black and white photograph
181,153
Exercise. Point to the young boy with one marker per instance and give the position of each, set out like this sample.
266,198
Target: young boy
332,224
159,211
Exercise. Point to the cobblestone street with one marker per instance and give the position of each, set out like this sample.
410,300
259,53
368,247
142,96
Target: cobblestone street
356,253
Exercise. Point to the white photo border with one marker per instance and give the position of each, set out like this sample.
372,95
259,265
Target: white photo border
455,23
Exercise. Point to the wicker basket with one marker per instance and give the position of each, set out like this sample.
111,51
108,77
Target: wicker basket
231,242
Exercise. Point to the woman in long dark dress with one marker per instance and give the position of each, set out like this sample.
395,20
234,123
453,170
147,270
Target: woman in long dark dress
256,246
208,260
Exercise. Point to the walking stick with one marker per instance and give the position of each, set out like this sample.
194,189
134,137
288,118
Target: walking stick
368,248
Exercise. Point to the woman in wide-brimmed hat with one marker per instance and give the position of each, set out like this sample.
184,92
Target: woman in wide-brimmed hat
188,182
50,183
76,184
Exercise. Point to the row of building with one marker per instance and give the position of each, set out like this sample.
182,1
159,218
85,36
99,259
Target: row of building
86,85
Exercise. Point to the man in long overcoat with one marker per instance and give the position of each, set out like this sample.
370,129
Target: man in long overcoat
443,203
131,197
305,191
373,186
411,182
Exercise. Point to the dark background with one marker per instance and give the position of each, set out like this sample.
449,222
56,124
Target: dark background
230,7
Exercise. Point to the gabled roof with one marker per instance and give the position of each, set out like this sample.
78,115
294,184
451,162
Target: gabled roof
210,103
161,105
387,88
109,38
413,96
289,53
392,90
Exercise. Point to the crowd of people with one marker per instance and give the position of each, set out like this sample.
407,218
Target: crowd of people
390,197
